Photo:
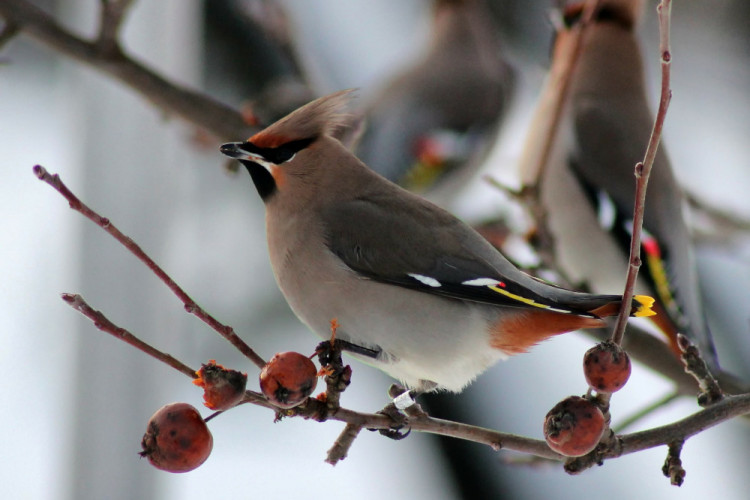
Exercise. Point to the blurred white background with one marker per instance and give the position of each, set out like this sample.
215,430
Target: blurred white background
76,401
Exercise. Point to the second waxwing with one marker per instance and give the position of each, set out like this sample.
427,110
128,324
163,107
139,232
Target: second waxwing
427,126
415,291
588,185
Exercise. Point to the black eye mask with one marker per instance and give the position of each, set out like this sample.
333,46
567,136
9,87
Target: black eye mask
279,154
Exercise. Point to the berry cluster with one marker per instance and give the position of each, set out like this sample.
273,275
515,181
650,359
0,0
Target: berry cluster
575,425
177,438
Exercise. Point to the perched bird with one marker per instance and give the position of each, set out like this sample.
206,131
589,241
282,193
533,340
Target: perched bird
417,292
427,127
588,183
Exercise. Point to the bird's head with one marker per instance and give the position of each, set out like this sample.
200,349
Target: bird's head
283,150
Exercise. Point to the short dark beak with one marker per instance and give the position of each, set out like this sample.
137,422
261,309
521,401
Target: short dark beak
233,150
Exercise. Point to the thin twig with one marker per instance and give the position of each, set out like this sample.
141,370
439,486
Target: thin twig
104,324
727,408
696,366
112,15
643,170
190,305
673,464
341,446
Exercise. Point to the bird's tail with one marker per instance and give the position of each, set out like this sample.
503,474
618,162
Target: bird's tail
643,306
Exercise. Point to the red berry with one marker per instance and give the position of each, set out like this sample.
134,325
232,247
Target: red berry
288,379
177,439
606,367
222,388
574,426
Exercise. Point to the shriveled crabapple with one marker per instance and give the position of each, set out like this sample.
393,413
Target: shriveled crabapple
177,438
222,388
574,426
288,379
606,367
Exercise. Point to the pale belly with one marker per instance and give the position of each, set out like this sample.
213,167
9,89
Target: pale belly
421,337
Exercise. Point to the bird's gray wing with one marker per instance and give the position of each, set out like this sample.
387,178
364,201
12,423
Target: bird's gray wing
421,247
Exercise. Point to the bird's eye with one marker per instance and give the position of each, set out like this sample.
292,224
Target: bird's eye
286,151
280,154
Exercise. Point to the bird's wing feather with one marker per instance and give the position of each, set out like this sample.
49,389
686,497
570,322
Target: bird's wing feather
419,246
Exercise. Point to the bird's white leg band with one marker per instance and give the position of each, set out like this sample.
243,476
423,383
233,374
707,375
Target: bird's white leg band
404,400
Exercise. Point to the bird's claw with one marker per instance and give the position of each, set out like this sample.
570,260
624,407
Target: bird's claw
399,428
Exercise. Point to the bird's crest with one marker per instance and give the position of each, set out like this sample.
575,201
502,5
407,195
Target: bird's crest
322,116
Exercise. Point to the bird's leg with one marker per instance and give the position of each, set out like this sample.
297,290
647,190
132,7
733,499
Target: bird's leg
406,400
403,407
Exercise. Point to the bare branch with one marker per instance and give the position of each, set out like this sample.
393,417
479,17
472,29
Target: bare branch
190,305
727,408
341,446
673,464
104,324
643,170
194,107
697,367
112,15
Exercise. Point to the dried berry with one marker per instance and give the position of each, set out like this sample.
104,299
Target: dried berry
606,367
574,426
177,439
222,388
288,379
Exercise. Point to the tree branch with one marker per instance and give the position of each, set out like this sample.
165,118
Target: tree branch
104,324
112,15
341,446
194,107
727,408
190,305
643,170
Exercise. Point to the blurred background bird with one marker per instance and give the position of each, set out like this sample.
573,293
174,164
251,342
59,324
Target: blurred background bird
430,124
587,185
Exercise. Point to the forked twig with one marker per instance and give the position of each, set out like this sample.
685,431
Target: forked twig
190,305
104,324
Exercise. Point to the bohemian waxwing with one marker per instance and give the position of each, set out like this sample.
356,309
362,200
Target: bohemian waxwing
429,125
417,292
588,184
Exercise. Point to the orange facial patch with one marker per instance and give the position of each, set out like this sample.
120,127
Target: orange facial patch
517,331
278,175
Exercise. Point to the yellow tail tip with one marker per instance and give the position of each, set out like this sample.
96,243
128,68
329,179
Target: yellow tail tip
642,306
